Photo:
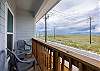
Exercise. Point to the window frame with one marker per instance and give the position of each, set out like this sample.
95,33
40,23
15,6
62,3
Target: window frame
7,7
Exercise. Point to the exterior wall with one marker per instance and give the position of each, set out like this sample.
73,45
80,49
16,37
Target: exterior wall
25,25
2,35
2,24
3,29
3,19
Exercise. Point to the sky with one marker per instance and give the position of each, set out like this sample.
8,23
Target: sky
72,17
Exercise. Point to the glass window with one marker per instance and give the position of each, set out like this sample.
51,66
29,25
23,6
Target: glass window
9,41
10,22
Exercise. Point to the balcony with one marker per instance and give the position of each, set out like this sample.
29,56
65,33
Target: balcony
53,57
18,19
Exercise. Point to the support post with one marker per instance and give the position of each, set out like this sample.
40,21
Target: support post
62,65
80,67
70,64
90,29
56,61
45,28
54,32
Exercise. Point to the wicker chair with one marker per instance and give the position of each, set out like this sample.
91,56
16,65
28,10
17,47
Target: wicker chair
15,64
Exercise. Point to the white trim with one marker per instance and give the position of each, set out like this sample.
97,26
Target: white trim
9,33
6,13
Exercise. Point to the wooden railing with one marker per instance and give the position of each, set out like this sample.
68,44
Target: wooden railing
53,57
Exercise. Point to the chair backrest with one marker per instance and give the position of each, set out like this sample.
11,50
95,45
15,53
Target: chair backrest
21,45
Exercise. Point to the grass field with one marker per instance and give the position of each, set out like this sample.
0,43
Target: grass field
78,41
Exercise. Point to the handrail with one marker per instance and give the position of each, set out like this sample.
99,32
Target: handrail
82,62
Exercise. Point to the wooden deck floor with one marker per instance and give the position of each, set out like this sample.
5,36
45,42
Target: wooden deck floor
37,68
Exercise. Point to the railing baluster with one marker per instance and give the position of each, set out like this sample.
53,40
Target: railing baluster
80,67
44,58
70,64
56,61
36,50
62,64
50,59
47,58
32,47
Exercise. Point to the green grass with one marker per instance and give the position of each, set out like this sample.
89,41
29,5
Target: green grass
78,41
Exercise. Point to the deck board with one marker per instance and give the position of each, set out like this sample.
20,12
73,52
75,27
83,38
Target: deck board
37,68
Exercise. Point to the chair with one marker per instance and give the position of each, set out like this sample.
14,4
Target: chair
24,48
15,64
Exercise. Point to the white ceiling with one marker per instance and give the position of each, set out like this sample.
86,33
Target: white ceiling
30,5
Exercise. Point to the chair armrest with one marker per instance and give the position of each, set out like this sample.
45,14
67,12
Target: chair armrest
22,61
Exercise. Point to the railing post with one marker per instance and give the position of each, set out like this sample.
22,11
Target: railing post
36,49
32,47
62,65
56,61
80,67
70,64
50,59
45,28
47,59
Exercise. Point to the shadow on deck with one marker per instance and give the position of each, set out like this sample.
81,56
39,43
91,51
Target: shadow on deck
37,68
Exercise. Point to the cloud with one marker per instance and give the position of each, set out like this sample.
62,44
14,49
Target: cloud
71,15
97,29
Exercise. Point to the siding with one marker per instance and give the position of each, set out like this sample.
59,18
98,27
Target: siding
2,30
12,4
2,19
2,24
25,25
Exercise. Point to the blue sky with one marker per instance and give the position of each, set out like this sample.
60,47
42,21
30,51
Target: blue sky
71,17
